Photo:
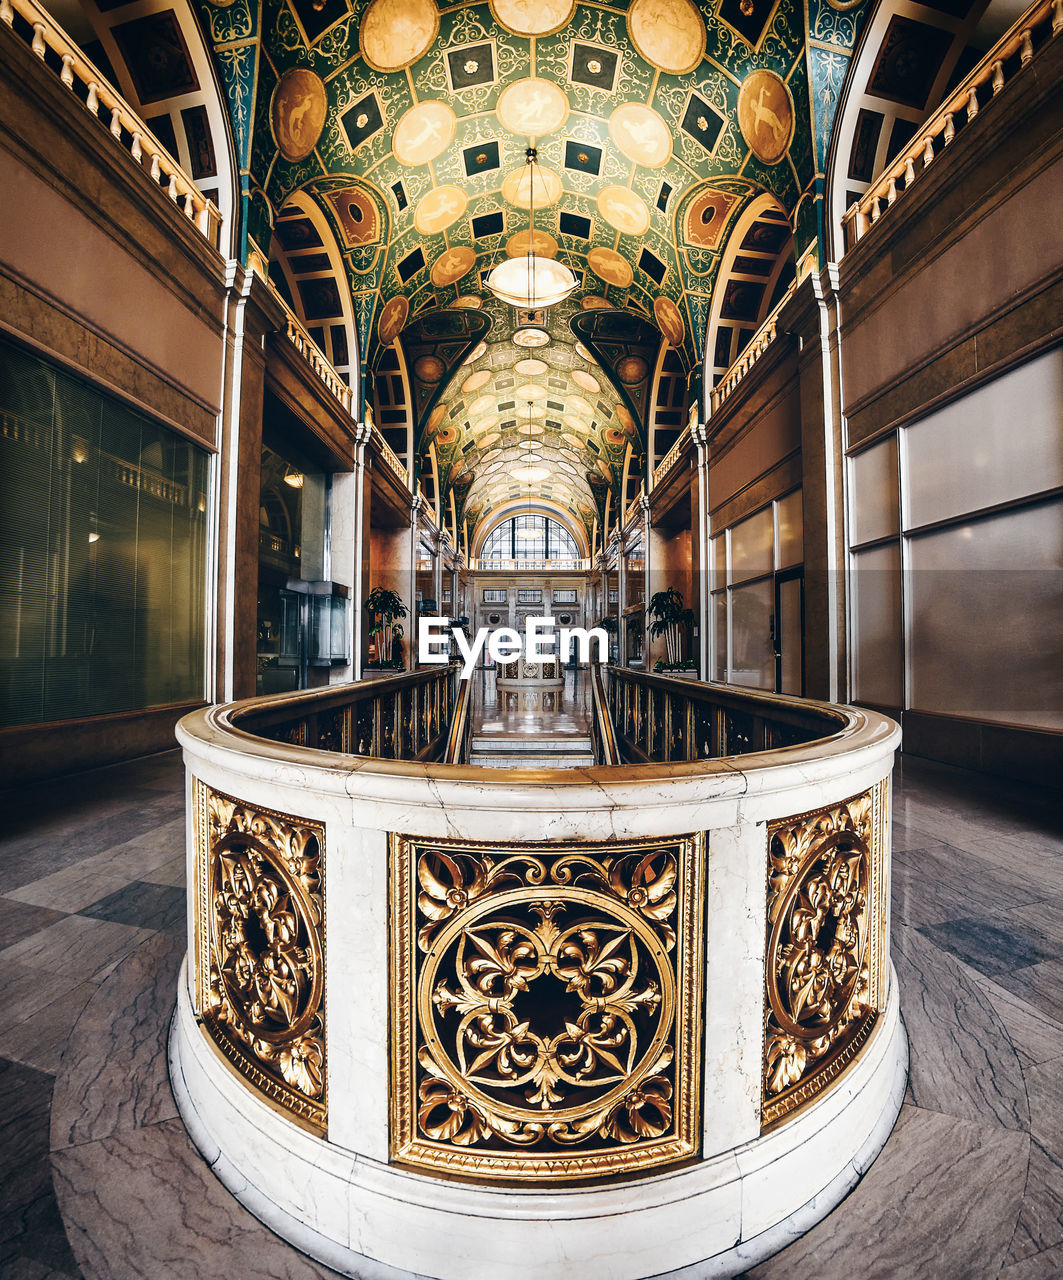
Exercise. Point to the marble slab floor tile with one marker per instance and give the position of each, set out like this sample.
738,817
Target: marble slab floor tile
40,1039
117,1078
142,1205
78,947
1040,985
993,945
31,1228
939,1203
1035,1035
962,1062
1040,1224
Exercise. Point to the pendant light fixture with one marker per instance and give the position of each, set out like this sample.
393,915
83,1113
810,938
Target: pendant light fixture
529,281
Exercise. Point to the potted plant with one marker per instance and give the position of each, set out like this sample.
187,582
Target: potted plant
669,616
383,607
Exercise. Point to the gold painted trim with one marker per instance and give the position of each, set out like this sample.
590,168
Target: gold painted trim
489,1138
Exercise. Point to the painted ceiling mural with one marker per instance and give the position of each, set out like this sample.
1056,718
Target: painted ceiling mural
655,121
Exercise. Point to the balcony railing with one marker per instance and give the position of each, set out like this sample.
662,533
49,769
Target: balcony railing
751,353
557,565
672,456
55,48
390,457
1040,23
316,359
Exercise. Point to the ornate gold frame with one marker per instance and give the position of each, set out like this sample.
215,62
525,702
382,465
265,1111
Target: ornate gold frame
595,1072
826,966
260,948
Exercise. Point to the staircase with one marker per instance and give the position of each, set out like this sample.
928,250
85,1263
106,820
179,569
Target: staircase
531,751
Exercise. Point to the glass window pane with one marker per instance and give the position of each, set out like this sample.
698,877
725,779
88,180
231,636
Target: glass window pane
752,651
102,552
752,546
875,585
1001,442
790,549
719,560
873,504
987,618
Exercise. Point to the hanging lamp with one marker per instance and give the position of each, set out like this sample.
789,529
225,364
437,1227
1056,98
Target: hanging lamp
529,281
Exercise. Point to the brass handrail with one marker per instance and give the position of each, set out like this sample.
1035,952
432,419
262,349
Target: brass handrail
603,730
460,724
401,717
958,110
659,719
124,125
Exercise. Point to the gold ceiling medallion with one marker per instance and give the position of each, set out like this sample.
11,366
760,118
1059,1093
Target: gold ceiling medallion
298,112
532,108
452,265
624,210
826,979
545,1006
641,135
393,34
542,244
260,948
531,338
766,115
424,133
440,209
392,318
611,267
669,34
669,320
533,17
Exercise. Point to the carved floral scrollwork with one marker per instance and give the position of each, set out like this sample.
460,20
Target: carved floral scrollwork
260,948
546,1007
822,909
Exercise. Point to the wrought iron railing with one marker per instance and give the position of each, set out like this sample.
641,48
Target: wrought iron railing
661,720
48,40
400,717
1015,50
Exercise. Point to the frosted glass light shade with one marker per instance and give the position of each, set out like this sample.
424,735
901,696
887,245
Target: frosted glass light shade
530,282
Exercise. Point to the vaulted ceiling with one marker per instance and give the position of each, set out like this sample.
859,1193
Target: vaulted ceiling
657,123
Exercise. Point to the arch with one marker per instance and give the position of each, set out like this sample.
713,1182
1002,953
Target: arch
306,263
757,264
536,507
179,98
883,103
668,407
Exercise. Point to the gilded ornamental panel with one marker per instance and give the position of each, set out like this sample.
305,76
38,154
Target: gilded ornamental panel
826,968
260,948
546,1006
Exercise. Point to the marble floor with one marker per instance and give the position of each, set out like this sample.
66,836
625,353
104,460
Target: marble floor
97,1177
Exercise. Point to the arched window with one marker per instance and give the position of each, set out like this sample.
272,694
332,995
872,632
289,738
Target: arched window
530,538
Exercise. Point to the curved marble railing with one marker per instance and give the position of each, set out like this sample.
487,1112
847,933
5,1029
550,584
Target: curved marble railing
539,1023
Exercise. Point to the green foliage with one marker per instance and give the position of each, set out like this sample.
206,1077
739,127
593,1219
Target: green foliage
386,604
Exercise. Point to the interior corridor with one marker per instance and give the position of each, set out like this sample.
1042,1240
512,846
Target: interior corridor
100,1180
